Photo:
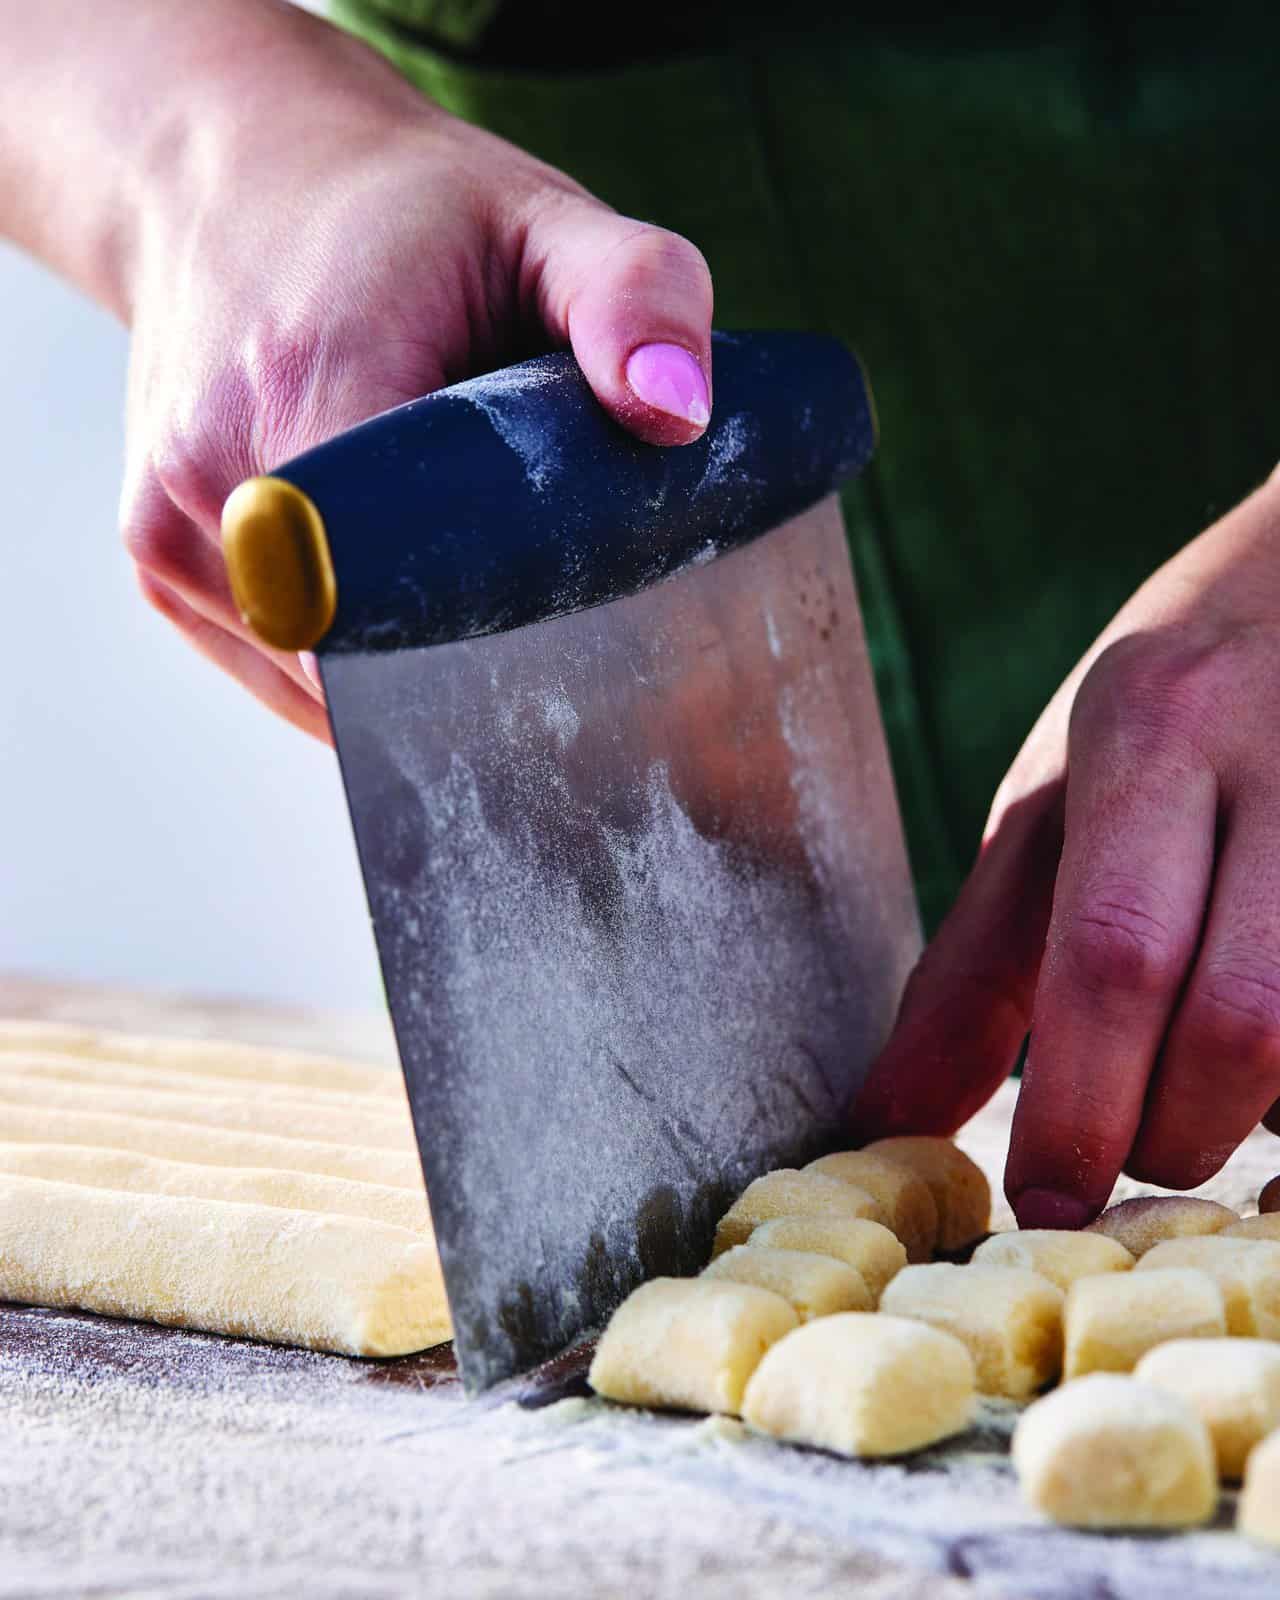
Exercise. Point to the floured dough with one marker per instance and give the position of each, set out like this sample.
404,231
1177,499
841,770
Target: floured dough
1110,1452
868,1247
202,1058
863,1386
1149,1219
1246,1270
142,1174
222,1147
1055,1253
1264,1226
816,1285
158,1187
233,1106
788,1193
905,1198
1010,1320
1259,1512
291,1277
688,1343
958,1184
1112,1321
1232,1385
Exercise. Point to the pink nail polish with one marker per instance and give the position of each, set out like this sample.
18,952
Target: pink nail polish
1046,1208
669,379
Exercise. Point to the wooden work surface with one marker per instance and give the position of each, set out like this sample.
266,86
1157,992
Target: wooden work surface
149,1461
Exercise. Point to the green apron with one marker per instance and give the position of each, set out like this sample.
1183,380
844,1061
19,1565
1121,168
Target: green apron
1056,246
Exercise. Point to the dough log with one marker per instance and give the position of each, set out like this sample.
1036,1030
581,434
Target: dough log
289,1277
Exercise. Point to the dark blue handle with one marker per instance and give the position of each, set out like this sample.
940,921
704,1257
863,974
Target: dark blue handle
513,497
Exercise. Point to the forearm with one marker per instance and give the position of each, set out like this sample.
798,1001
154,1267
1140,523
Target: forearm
109,112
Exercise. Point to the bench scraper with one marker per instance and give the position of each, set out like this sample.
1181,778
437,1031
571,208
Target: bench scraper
621,798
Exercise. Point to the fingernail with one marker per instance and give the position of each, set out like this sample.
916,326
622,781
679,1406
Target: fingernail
309,665
1046,1208
669,379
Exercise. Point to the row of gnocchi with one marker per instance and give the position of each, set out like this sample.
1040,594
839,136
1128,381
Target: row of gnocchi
822,1321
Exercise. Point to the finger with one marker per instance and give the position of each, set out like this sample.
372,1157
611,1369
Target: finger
1219,1071
1136,865
967,1006
248,665
634,301
172,551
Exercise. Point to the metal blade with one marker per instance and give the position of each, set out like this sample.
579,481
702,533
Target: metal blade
643,909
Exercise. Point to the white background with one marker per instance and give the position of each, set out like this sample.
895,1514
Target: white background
157,827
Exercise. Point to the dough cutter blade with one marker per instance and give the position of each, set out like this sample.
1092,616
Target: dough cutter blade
633,856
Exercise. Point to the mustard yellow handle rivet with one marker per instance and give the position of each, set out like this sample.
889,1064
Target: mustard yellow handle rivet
277,555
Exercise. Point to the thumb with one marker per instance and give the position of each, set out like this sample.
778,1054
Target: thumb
634,302
967,1005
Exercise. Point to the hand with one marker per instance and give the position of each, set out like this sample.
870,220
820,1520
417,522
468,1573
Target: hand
323,244
1125,905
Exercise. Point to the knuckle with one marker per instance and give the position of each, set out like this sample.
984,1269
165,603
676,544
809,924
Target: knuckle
1118,942
1153,692
1234,1010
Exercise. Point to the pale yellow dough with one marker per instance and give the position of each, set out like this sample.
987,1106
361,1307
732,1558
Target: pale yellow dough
1259,1511
688,1344
958,1184
816,1285
1010,1320
291,1277
1112,1321
1110,1452
1246,1270
905,1198
231,1106
143,1174
1055,1253
202,1058
868,1247
222,1147
862,1385
788,1193
1266,1226
1233,1386
1149,1219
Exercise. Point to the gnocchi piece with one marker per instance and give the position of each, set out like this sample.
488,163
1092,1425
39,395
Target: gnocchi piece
862,1386
789,1193
1009,1320
816,1285
1258,1515
1112,1320
958,1184
1232,1385
688,1344
868,1247
1266,1225
1149,1219
1246,1270
1058,1254
1110,1452
905,1199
